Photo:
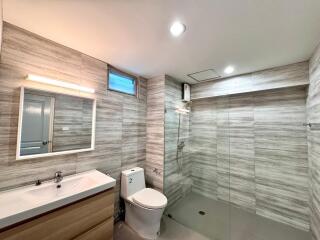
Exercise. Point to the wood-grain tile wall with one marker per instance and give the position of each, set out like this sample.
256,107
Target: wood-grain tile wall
242,150
154,165
251,150
204,147
120,123
278,77
313,110
281,159
75,114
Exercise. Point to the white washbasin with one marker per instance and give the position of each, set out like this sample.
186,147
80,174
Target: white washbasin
50,191
22,203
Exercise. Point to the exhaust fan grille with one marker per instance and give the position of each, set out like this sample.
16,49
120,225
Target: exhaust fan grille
205,75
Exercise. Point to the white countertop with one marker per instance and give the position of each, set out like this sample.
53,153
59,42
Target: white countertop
26,202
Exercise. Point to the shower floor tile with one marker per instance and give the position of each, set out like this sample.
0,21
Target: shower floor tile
221,221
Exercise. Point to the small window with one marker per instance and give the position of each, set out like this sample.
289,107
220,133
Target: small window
121,82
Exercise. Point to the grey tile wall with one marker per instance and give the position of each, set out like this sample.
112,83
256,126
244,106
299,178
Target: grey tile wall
313,110
204,148
278,77
281,159
120,120
75,113
251,150
154,164
242,151
223,148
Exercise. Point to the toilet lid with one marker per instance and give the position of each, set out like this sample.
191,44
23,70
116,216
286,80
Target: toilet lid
150,198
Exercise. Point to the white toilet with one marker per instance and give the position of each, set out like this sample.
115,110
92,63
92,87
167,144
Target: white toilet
144,206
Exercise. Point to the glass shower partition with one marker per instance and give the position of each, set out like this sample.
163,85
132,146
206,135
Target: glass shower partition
244,158
177,165
197,163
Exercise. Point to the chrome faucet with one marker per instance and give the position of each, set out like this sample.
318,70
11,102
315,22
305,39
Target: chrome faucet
58,177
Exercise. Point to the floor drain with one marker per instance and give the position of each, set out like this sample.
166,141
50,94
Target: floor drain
202,213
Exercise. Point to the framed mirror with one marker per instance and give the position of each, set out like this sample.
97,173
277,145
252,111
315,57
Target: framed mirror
54,124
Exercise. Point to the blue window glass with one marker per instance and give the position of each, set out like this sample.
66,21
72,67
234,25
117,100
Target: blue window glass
121,83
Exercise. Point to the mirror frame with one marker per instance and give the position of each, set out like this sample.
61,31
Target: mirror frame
19,157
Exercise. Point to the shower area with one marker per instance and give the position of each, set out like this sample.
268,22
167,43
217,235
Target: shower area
236,166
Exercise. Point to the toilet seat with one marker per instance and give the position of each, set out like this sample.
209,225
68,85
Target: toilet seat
150,198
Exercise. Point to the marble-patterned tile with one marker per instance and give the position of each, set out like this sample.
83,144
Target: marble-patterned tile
120,118
154,164
313,110
251,150
274,78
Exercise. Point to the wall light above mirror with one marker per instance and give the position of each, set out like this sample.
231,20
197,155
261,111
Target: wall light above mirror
52,123
58,83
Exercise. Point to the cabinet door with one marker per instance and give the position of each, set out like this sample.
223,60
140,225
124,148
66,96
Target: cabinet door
104,231
65,223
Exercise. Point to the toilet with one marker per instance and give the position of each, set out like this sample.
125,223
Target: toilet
143,206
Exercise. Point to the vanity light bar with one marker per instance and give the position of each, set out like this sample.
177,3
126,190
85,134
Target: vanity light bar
59,83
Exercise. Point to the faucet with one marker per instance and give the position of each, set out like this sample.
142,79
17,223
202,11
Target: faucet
58,177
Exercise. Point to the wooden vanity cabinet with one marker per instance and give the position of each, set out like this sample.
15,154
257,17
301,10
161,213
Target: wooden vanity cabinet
90,218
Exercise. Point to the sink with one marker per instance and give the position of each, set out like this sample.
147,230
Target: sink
53,191
22,203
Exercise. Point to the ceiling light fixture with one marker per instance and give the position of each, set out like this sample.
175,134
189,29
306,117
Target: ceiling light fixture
177,28
229,70
58,83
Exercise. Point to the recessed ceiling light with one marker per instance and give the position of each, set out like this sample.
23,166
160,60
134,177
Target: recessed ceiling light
229,70
177,28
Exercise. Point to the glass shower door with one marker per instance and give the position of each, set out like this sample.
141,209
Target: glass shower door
200,140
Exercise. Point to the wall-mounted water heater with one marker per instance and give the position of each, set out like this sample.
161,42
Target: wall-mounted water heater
186,92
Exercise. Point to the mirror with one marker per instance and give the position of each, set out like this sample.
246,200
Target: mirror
54,124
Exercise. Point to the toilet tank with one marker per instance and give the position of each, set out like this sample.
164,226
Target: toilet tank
132,181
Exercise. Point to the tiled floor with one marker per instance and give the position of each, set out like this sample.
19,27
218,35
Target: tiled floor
170,230
220,222
224,222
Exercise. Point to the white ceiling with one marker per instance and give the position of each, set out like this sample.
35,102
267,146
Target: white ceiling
134,34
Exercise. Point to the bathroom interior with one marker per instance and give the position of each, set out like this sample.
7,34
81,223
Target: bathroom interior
169,120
